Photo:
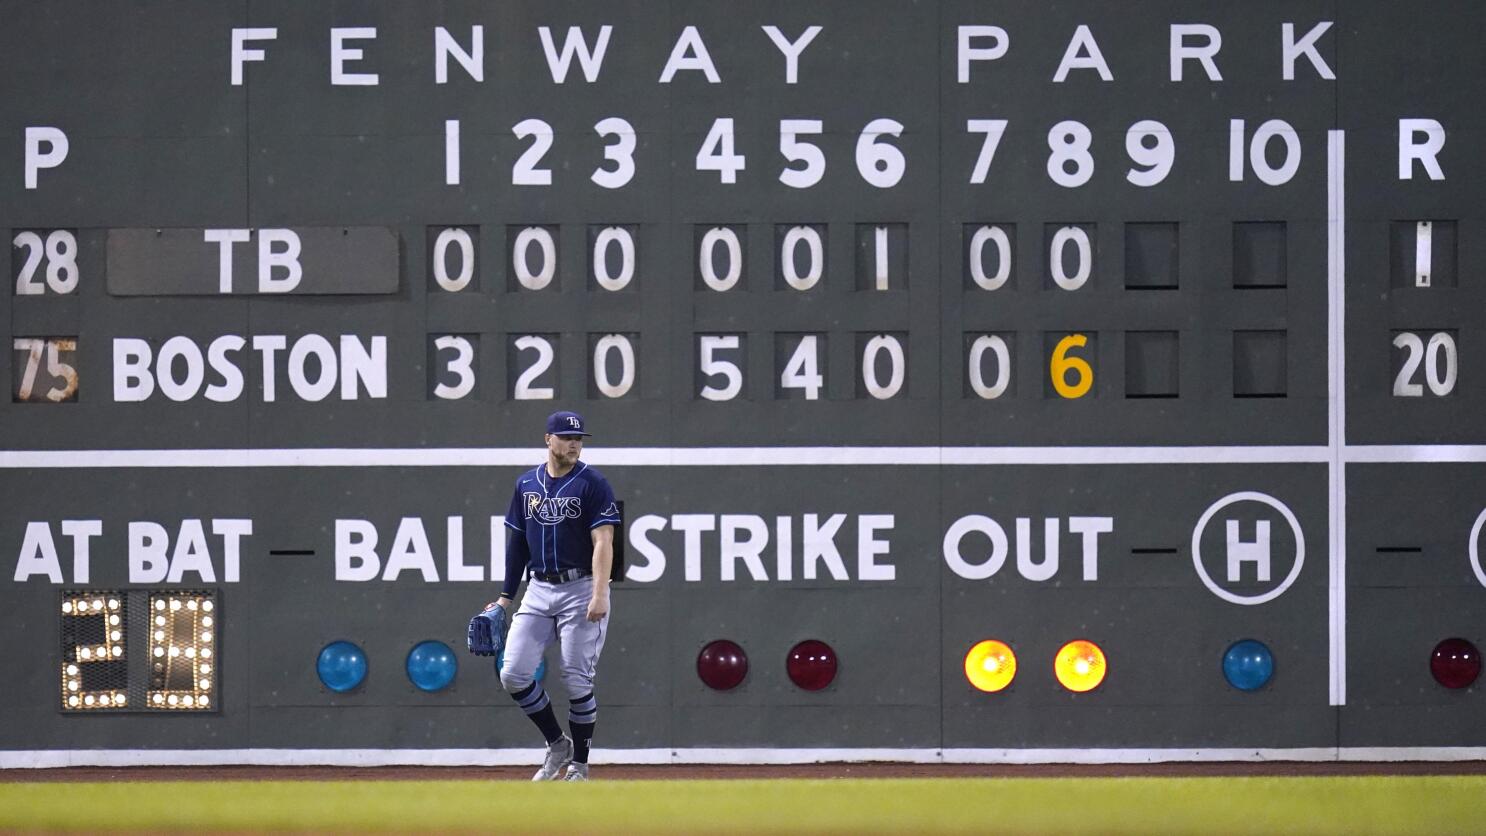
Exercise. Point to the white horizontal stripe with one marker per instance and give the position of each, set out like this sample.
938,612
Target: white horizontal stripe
737,456
660,456
308,457
1415,453
50,759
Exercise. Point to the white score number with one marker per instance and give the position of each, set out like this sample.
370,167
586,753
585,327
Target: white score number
464,246
1439,359
619,345
460,365
58,251
526,388
996,346
802,371
35,348
614,366
875,347
713,366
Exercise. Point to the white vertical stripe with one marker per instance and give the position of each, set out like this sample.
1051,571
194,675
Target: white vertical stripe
451,152
1423,252
1336,398
880,235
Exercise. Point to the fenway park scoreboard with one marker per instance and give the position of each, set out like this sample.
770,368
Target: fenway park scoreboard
900,327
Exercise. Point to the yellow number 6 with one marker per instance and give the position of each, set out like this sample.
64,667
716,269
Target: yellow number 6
1062,364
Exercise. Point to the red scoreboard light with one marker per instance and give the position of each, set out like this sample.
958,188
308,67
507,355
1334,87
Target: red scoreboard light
722,665
811,664
1455,663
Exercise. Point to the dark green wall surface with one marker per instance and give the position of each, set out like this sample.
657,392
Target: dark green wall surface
1250,329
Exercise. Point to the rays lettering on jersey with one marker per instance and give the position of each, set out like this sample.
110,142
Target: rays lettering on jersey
552,510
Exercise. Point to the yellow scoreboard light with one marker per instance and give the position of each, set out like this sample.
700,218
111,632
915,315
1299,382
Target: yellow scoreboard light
1080,666
990,666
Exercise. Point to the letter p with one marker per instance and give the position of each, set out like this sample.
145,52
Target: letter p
37,159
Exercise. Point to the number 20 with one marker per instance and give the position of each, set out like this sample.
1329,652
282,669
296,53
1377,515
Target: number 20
1440,343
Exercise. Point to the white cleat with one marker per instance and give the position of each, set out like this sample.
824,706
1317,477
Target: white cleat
577,772
559,754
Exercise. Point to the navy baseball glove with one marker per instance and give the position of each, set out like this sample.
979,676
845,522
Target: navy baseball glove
488,630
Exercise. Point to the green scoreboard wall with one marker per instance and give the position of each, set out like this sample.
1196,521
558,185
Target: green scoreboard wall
900,327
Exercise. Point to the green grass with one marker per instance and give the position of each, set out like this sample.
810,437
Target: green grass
1423,805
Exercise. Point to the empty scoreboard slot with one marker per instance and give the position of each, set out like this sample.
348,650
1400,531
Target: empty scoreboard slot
1151,256
1259,255
1152,364
1260,364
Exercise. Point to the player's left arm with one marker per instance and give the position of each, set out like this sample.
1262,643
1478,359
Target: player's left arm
603,521
603,562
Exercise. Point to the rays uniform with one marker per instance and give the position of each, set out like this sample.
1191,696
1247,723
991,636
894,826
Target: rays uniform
557,515
551,523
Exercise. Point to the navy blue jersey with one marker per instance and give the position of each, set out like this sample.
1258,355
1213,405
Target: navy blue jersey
558,514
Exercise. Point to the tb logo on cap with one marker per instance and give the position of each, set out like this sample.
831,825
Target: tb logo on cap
565,423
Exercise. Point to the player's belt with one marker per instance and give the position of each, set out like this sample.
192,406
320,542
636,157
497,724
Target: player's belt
561,577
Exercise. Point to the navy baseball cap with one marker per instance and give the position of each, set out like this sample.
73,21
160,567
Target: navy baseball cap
566,423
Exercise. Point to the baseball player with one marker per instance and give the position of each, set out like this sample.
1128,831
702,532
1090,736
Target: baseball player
561,533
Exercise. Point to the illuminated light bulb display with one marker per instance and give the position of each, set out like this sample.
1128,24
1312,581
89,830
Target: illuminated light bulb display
94,666
101,633
990,666
178,648
1080,666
